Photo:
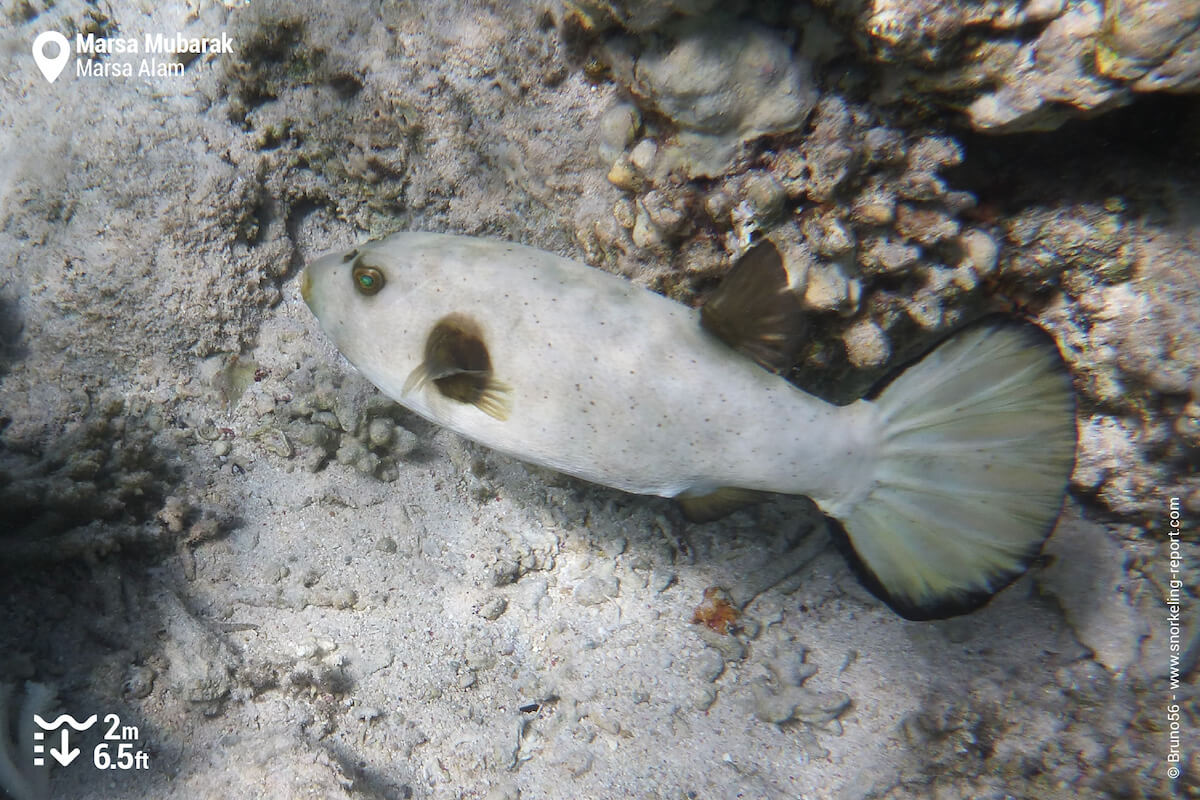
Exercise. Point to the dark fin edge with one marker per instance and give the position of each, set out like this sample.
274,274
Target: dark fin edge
950,606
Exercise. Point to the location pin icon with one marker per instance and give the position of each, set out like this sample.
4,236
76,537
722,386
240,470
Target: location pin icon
51,66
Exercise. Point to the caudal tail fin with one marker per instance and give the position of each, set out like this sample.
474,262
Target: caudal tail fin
978,446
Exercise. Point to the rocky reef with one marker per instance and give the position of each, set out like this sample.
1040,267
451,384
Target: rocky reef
1006,66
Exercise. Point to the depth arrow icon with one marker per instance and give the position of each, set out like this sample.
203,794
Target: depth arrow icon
67,754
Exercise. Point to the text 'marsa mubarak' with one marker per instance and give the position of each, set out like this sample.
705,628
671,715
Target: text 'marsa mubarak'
152,44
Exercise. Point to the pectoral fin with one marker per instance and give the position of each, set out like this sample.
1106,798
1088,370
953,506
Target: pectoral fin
458,366
755,311
717,504
416,379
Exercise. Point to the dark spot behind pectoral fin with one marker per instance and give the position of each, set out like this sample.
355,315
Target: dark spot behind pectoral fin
719,503
458,366
755,311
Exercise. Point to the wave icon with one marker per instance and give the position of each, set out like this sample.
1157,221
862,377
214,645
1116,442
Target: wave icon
64,718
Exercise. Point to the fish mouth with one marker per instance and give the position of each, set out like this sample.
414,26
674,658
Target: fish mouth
306,286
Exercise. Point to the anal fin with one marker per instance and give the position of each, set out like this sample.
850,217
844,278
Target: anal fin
754,310
719,503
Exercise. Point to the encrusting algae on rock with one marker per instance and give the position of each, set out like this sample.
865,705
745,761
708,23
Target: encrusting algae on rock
946,483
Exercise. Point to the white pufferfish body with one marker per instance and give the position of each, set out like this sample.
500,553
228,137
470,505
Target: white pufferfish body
608,382
946,485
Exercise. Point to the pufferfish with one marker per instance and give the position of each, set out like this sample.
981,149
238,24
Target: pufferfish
945,483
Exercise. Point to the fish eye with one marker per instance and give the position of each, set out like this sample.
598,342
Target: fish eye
368,280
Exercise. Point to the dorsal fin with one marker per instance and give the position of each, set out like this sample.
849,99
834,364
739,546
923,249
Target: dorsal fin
755,312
